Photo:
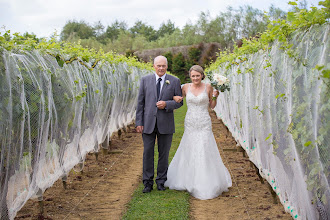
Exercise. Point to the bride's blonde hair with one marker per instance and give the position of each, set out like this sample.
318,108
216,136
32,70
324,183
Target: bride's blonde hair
197,68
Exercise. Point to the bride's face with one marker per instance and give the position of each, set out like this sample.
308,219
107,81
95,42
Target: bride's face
196,77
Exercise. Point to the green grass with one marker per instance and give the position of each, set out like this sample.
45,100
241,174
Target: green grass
168,204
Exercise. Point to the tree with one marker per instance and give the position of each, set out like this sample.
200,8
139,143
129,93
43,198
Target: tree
276,13
169,57
193,57
98,28
170,40
141,28
80,29
167,28
302,4
233,26
139,42
189,35
179,67
27,35
216,30
112,32
123,43
253,21
203,24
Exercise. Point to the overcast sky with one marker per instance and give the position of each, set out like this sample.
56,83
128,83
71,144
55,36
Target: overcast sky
44,17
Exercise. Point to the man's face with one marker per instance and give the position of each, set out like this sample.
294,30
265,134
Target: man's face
160,66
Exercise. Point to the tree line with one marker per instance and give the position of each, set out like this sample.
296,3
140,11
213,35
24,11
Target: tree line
220,33
226,28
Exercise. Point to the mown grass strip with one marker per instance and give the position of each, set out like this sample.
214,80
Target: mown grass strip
169,204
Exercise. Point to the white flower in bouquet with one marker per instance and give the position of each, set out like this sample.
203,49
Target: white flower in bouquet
219,82
220,79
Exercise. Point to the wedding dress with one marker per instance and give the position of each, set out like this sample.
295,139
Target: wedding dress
197,166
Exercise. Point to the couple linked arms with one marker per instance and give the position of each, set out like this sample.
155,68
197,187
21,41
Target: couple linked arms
180,98
213,95
170,105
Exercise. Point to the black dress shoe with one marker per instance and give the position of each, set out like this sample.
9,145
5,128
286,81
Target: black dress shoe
161,187
147,189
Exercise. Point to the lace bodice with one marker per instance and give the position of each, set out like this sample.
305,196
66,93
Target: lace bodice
197,116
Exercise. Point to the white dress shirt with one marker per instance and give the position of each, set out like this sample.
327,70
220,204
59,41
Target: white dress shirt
161,82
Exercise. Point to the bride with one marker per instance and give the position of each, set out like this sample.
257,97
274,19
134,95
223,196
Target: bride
197,166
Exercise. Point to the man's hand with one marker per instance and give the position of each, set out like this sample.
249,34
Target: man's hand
139,129
161,104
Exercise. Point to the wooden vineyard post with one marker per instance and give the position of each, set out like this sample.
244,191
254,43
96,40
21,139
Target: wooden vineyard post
109,148
124,129
41,202
96,153
239,148
257,172
81,166
64,179
273,194
105,146
262,181
119,134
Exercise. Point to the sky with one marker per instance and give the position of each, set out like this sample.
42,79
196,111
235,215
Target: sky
44,17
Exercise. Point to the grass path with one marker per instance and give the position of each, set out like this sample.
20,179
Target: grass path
169,204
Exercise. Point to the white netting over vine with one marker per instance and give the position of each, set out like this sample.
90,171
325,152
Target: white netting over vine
278,110
51,116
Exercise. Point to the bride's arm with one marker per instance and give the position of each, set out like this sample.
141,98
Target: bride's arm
180,98
213,96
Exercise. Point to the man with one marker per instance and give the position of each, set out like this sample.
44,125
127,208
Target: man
154,118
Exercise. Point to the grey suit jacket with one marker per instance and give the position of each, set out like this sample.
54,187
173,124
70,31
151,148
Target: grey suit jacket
147,112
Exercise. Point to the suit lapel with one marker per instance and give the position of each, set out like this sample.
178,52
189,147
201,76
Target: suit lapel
163,89
153,85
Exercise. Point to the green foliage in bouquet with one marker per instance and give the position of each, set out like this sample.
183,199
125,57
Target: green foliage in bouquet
218,81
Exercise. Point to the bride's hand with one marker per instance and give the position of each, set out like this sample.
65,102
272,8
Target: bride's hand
216,93
178,99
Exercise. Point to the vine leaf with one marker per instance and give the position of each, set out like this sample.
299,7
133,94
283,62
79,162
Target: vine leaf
59,60
326,74
279,95
292,3
319,67
307,143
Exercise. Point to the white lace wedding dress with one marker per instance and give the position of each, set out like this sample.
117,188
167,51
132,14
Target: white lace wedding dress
197,166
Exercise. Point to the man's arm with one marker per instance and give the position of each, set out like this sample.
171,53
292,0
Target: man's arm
171,104
139,121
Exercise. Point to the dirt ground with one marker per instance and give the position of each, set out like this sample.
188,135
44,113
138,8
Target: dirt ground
107,184
248,198
101,191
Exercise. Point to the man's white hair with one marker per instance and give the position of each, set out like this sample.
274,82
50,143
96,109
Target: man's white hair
158,57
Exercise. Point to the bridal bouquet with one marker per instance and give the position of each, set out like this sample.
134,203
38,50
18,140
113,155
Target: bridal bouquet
219,82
